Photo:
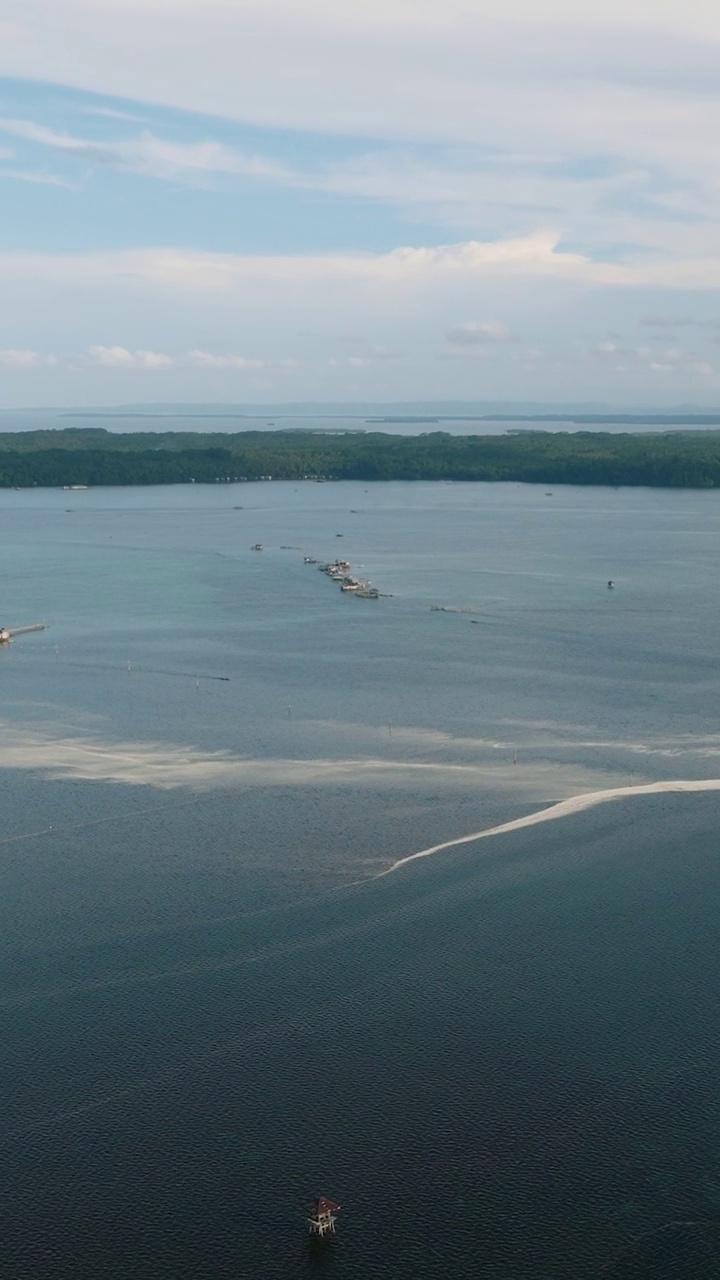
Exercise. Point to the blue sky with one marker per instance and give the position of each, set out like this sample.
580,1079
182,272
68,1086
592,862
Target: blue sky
251,200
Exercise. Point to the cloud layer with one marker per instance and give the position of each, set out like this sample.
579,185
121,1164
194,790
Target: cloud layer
540,253
548,172
472,333
117,357
442,67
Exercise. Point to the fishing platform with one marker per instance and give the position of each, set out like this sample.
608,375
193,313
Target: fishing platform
322,1217
7,633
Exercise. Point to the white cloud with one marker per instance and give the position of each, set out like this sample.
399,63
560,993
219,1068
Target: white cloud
19,358
121,358
37,178
150,155
538,254
541,86
456,187
196,359
479,332
661,320
111,114
189,319
544,84
206,360
465,353
437,67
623,358
362,359
364,355
117,357
378,351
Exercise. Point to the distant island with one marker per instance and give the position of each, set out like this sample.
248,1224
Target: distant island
94,456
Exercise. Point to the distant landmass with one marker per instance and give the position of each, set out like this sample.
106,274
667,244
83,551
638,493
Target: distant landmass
388,410
96,456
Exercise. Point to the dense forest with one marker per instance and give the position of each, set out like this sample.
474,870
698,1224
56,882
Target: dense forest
94,456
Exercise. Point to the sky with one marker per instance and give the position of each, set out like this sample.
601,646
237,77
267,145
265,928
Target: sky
291,200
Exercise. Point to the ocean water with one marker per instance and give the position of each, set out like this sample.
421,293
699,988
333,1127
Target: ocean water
221,994
287,418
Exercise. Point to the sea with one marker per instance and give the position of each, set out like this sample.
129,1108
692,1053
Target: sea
397,420
412,902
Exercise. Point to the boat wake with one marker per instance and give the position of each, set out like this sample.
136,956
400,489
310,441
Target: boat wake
576,804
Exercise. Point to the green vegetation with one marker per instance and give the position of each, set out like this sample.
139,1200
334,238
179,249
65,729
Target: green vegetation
94,456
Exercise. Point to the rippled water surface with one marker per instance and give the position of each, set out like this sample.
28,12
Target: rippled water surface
501,1058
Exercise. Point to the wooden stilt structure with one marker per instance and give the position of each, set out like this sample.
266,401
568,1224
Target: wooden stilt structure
322,1216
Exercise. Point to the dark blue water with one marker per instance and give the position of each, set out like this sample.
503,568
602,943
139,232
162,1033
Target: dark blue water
501,1060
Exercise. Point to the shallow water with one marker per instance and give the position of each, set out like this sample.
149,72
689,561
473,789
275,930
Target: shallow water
500,1059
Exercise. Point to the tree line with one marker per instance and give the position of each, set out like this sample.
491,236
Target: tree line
94,456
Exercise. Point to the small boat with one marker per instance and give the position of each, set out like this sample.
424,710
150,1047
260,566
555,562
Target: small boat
257,546
338,569
611,584
309,560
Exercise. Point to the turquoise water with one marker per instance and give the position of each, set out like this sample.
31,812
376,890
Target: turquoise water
501,1059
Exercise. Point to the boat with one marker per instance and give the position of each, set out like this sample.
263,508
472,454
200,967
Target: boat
257,546
338,569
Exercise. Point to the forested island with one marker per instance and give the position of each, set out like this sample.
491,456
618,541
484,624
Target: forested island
95,456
